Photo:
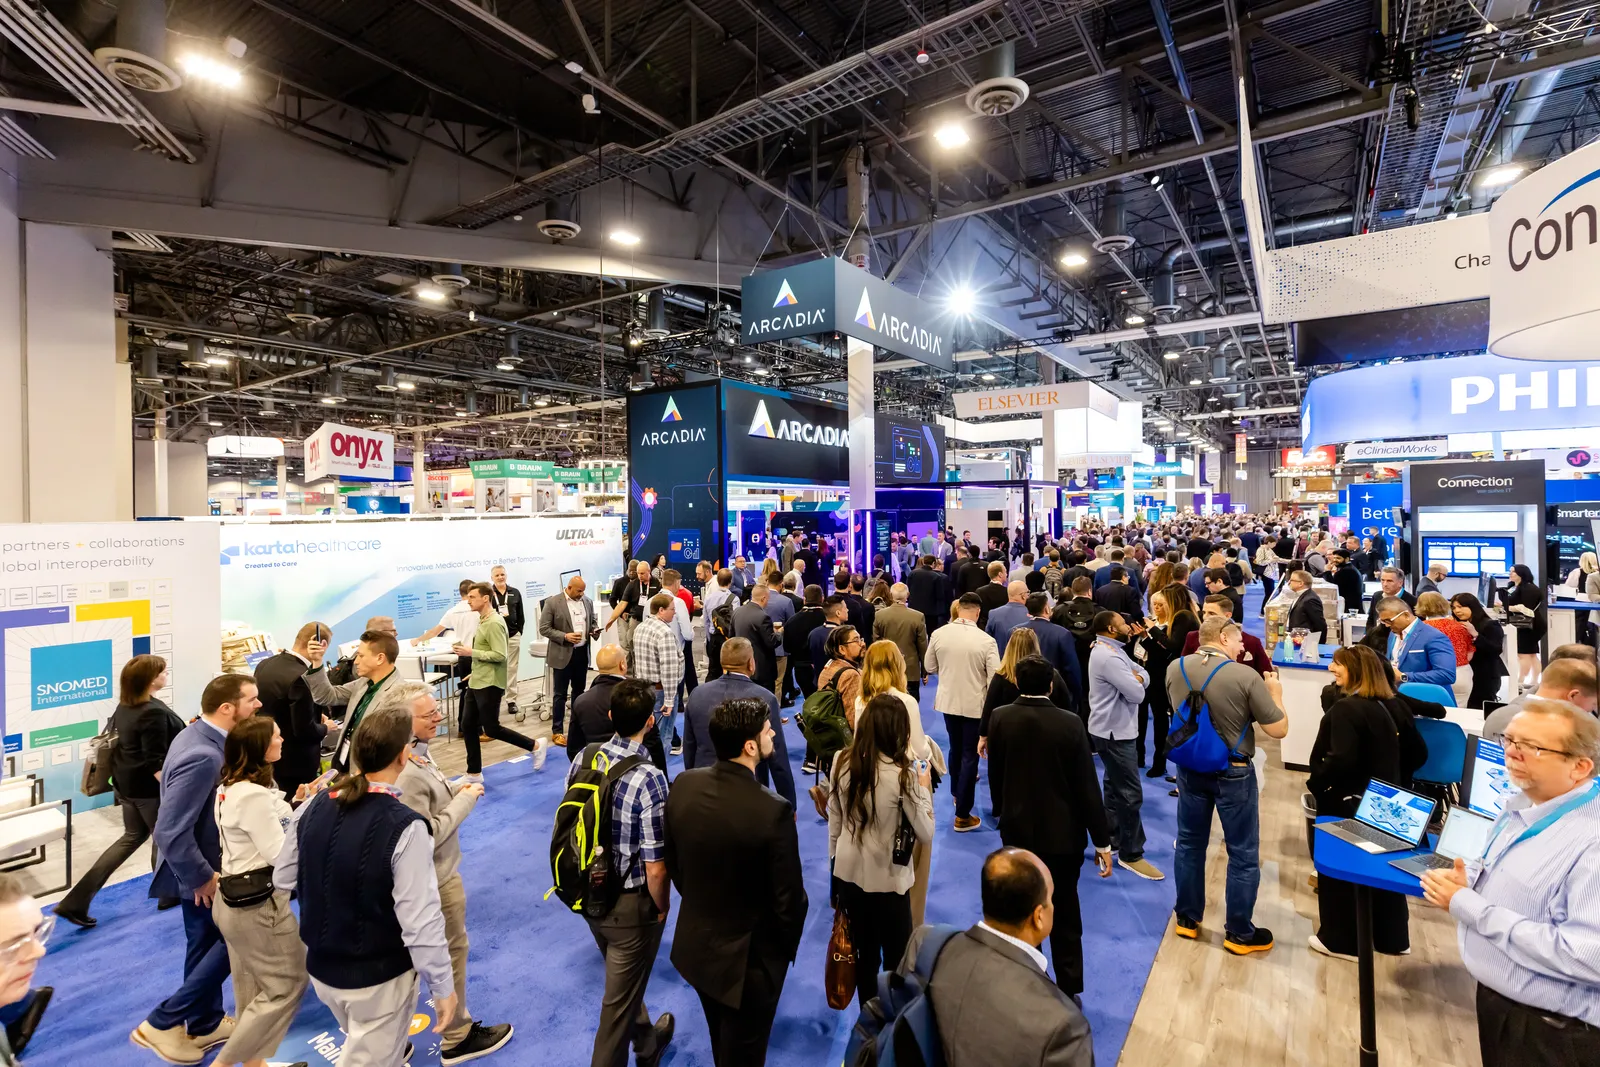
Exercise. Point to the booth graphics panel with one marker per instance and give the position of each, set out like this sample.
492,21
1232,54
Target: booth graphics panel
676,486
773,436
81,601
283,575
908,451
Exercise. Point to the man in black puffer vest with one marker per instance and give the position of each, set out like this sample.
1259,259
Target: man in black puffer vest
362,863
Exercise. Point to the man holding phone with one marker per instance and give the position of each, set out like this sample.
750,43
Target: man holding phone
284,695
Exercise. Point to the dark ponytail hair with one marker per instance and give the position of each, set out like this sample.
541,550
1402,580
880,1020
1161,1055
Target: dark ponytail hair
244,753
383,734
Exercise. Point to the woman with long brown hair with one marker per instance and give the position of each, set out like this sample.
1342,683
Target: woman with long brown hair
145,727
1172,621
1365,734
265,955
1003,690
875,790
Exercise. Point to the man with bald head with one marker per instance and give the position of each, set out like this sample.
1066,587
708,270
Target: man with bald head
1010,615
991,989
591,710
737,682
568,623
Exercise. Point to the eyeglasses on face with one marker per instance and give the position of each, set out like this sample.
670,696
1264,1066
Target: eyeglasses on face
1528,748
11,950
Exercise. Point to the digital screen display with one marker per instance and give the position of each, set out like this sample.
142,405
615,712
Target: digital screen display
1491,786
1469,557
908,451
1465,835
777,437
1394,811
675,483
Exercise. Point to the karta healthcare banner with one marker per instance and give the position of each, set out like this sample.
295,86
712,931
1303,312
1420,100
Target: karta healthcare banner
81,599
277,576
1438,397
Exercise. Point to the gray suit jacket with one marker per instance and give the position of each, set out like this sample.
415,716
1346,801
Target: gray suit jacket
980,979
907,628
426,791
555,622
349,694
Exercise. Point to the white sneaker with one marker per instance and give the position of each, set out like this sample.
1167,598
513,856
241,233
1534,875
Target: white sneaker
467,779
541,750
1316,945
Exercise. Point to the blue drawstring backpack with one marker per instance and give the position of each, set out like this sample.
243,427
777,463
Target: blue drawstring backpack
1193,742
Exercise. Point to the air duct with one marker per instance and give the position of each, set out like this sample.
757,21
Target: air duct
999,91
335,390
558,223
1162,293
304,311
1219,369
450,276
472,401
857,183
269,406
137,58
1196,342
1114,236
195,355
655,323
149,371
387,384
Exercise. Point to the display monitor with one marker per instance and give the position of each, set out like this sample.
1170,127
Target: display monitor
1395,811
1465,835
1490,784
1469,557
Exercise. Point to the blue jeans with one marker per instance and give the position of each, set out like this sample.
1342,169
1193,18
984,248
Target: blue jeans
1124,795
1232,794
198,1001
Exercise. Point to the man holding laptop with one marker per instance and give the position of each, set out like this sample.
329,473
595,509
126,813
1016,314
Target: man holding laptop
1529,912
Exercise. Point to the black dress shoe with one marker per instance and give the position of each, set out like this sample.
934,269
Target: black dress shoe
664,1028
88,922
167,903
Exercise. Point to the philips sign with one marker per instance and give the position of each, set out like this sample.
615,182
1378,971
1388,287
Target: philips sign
1543,303
77,673
1438,397
335,450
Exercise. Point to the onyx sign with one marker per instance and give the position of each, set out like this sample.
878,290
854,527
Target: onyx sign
832,296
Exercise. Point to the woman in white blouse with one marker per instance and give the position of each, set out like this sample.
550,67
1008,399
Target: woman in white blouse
883,670
265,953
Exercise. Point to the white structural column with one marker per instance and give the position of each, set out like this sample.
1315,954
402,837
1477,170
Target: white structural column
159,465
419,475
863,431
1049,452
66,424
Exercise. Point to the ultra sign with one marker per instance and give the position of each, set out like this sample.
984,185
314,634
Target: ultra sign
832,296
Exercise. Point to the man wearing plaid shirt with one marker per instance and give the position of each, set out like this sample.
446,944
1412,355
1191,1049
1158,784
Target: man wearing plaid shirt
630,934
658,658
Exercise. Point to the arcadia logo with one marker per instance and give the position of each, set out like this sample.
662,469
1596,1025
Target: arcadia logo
786,297
796,430
671,414
761,425
864,312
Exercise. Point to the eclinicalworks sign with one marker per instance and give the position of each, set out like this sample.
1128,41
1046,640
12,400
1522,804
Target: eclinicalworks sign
1438,397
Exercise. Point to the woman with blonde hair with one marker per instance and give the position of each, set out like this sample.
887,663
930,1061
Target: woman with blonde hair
768,568
883,673
1003,690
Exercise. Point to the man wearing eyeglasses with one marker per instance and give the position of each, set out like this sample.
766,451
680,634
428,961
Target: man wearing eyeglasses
23,933
1419,652
1529,914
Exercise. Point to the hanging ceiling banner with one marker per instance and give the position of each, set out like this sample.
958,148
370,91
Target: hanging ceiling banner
1544,303
1032,399
831,296
1386,451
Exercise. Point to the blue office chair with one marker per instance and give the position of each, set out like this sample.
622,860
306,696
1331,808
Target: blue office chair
1434,694
1447,752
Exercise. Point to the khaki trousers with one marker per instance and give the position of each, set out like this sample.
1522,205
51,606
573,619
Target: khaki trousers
513,659
921,859
453,902
268,961
375,1019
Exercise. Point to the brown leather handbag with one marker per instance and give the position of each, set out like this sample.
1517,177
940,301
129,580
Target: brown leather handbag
840,976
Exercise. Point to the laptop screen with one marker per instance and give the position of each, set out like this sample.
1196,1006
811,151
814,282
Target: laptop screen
1490,784
1465,834
1395,811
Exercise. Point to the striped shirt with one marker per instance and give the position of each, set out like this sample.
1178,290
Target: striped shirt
638,811
658,655
1530,923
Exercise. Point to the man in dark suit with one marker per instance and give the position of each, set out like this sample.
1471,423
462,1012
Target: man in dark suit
1117,595
993,593
1393,580
190,1021
1056,644
1306,611
734,856
281,685
995,971
736,683
1103,577
857,610
751,622
969,576
1346,578
1218,584
1043,787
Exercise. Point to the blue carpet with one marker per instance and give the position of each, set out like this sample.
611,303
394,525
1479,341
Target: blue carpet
534,964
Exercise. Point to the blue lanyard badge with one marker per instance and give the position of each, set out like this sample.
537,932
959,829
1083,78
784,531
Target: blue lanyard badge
1545,823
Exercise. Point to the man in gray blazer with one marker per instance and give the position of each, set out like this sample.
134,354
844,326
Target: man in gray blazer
908,629
568,623
995,1004
375,658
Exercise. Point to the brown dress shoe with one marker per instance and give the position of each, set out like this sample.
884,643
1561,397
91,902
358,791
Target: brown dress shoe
559,740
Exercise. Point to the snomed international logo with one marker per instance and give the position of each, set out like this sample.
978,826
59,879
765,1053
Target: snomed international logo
74,673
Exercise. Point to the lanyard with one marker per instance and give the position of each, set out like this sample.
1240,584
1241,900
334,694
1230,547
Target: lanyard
1545,823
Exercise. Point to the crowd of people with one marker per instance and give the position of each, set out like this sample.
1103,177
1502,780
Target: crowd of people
1049,657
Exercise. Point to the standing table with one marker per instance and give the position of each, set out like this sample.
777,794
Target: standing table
1337,858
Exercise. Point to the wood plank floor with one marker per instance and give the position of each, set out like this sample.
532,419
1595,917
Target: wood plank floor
1292,1006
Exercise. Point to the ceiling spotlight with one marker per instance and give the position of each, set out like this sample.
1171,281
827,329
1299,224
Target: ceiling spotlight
431,293
1195,381
986,377
542,402
216,361
1172,353
591,106
516,218
1074,260
574,66
961,300
762,372
503,365
1491,179
951,135
206,68
922,56
1155,181
625,237
1134,319
406,386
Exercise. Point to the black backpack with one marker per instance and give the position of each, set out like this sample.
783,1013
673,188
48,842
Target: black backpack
722,619
580,849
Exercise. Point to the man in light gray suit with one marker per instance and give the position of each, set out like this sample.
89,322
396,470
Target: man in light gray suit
568,623
994,1002
375,659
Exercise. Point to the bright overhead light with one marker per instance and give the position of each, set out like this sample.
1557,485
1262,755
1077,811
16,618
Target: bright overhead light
625,237
1155,181
1195,381
1074,260
431,293
1172,353
331,401
209,69
574,66
503,365
961,300
542,402
407,386
1505,175
216,361
987,377
763,371
951,135
1134,319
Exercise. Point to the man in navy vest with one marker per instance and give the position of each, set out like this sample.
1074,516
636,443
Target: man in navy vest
189,1022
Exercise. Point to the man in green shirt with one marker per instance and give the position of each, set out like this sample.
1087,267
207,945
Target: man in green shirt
374,664
486,685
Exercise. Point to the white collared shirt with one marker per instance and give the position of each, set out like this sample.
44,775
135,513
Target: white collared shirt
575,612
1033,954
1400,641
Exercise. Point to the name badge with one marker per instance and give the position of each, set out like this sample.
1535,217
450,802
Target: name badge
505,609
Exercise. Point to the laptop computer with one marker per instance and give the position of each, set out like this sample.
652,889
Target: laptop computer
1389,819
1465,834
